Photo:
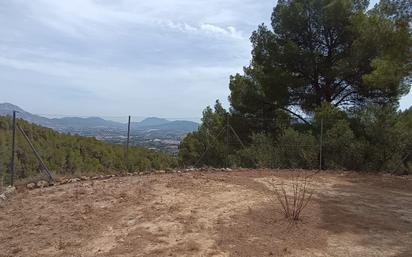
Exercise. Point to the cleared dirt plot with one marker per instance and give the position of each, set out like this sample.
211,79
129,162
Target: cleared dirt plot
209,214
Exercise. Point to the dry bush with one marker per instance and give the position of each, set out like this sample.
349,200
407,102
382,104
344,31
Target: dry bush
294,195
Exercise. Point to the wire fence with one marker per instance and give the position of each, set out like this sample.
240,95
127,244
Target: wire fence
233,146
154,133
312,151
325,143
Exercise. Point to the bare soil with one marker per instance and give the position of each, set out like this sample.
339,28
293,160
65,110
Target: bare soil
209,214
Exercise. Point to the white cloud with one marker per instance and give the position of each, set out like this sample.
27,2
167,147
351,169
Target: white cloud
204,29
101,57
170,92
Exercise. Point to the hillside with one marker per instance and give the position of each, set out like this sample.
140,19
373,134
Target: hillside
157,133
73,124
69,154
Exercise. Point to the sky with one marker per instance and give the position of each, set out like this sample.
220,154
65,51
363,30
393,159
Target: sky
165,58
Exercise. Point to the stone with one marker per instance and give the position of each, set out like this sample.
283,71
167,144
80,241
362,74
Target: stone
42,183
10,190
31,186
73,180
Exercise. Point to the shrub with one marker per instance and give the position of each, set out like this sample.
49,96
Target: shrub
293,196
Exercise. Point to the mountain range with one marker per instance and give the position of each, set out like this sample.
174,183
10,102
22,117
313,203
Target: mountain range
76,124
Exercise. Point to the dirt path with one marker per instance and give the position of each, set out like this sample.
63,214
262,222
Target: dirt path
209,214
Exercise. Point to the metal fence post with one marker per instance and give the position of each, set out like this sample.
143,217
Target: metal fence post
13,148
321,144
127,144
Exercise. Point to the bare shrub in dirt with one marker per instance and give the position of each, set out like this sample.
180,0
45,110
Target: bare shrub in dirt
293,195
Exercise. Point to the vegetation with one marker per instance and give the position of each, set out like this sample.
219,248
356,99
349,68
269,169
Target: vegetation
331,62
69,154
294,196
332,51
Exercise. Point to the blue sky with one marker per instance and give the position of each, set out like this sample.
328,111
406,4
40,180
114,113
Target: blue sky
114,58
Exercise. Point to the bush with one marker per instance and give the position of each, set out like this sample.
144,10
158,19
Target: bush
293,149
294,196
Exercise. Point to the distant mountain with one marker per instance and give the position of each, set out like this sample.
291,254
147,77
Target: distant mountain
6,109
91,122
151,121
74,124
181,125
152,132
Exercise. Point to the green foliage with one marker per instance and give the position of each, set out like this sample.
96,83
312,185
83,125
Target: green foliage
292,149
318,51
70,154
206,146
368,138
326,63
385,135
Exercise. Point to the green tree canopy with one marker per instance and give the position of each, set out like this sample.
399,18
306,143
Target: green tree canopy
333,51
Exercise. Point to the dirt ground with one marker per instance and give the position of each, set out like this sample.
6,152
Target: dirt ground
209,214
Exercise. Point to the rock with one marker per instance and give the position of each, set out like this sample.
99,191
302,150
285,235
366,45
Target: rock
42,183
63,181
84,178
160,171
73,180
3,197
10,190
31,186
141,173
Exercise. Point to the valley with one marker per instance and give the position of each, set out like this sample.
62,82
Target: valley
152,132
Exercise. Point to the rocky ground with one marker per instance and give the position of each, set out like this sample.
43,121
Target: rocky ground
205,213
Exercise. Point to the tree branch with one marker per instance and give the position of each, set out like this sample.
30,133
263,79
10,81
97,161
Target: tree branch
344,97
295,114
287,110
340,91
